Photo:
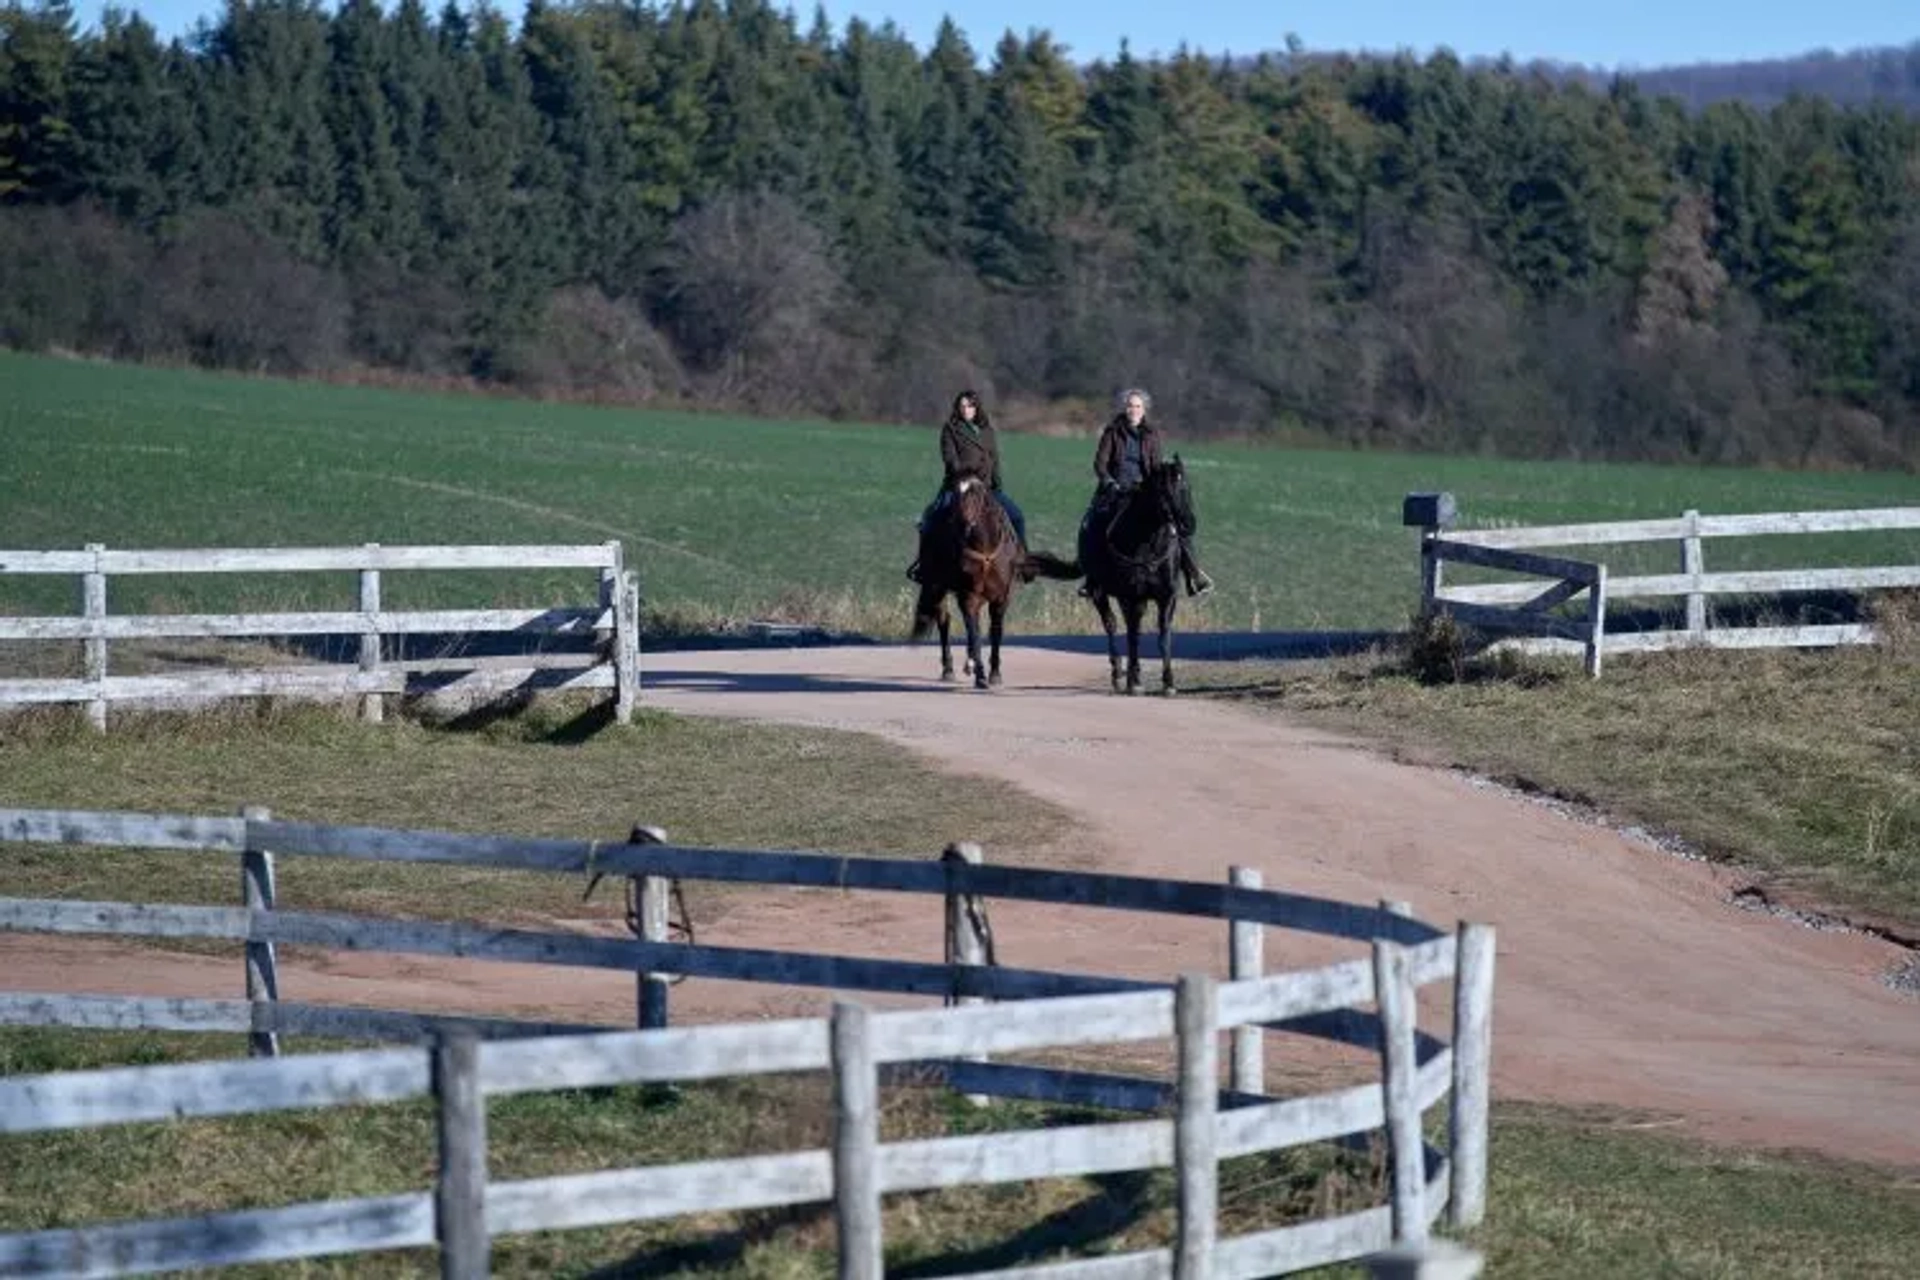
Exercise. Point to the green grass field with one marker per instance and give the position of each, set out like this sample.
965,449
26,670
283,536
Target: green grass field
728,519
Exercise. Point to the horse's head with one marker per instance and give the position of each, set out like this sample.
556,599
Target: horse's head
1166,484
972,499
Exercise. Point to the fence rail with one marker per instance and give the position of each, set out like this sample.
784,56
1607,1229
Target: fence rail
613,623
465,1061
1521,609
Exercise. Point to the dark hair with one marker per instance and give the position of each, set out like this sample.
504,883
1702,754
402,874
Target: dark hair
979,410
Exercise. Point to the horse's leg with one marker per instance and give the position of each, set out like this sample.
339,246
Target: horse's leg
1166,605
1105,606
970,613
996,624
1132,606
946,641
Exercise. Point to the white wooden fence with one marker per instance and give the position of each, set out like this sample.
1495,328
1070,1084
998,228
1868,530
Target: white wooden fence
861,1048
1523,609
614,621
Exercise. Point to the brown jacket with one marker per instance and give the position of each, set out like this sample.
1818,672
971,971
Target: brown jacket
964,449
1106,456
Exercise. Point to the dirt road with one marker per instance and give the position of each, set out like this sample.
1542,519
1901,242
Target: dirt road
1623,976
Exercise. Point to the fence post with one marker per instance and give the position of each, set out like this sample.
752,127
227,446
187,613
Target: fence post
373,707
1430,571
1597,620
1468,1124
460,1190
967,934
93,604
620,596
1246,939
1195,1149
263,976
650,894
631,595
1394,995
1431,513
856,1144
1693,564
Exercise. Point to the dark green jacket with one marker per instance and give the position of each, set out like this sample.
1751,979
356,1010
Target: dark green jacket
971,447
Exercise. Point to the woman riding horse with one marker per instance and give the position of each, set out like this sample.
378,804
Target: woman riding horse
968,445
1128,449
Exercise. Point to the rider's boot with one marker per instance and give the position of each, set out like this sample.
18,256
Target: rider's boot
1198,583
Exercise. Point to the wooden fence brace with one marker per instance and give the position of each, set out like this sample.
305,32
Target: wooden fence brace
460,1190
856,1143
1467,1126
93,599
1246,939
1395,995
263,976
652,893
967,933
1196,1167
373,707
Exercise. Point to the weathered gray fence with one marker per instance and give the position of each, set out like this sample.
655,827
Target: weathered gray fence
953,1043
614,621
1524,610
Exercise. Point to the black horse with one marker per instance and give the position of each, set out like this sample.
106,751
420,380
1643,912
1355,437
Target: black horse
1131,554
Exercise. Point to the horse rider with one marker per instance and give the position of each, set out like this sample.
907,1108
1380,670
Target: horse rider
1129,448
968,442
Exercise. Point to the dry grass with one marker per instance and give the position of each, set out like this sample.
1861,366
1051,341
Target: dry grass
556,771
1802,765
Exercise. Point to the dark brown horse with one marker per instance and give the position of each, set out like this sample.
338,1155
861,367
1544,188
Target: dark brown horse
973,555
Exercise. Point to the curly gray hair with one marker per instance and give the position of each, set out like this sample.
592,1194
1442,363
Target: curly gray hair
1146,399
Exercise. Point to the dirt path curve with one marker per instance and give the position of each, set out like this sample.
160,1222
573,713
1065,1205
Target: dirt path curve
1622,976
1622,979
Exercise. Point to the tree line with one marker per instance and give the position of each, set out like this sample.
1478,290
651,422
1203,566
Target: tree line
712,203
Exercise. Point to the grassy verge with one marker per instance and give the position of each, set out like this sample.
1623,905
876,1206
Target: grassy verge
551,772
1571,1195
1804,766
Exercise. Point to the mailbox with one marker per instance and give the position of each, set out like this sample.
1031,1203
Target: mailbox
1427,510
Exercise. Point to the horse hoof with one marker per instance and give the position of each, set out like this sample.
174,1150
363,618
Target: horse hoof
946,675
1168,691
980,682
1133,688
994,679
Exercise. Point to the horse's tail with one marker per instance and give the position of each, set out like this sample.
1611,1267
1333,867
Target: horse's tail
1045,564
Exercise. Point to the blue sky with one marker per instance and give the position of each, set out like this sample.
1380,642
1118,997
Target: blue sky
1617,33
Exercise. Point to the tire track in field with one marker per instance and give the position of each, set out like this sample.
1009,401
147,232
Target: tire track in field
527,507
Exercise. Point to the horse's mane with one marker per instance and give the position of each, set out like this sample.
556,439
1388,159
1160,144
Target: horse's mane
974,505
